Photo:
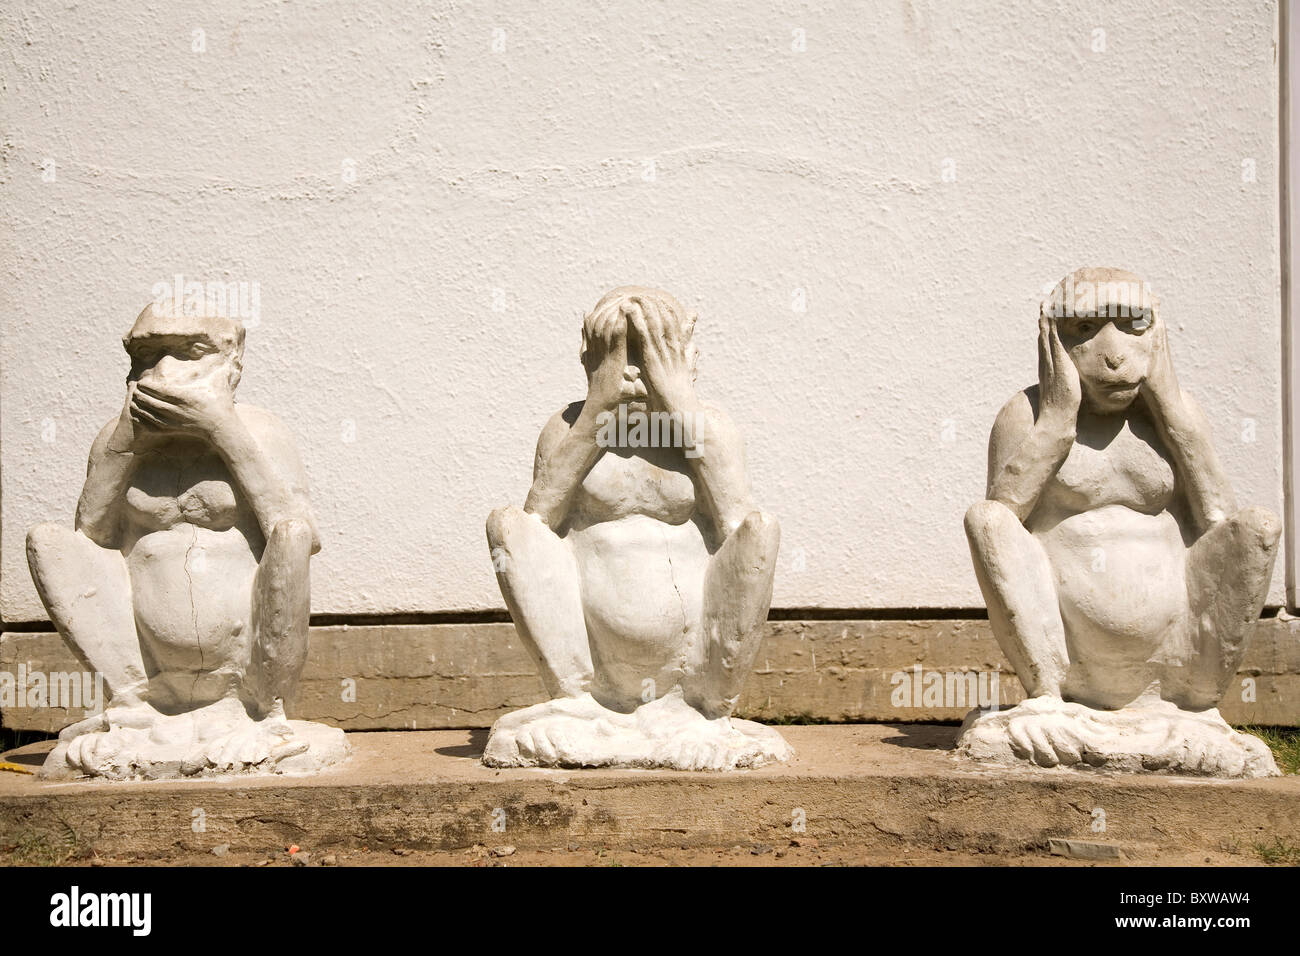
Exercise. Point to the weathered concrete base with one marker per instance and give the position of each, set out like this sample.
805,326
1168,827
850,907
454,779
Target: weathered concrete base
1150,737
874,786
424,676
668,732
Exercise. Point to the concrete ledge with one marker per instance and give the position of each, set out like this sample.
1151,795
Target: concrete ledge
425,676
869,786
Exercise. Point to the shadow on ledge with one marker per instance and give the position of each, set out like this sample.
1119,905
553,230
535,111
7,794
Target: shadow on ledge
477,743
923,736
11,740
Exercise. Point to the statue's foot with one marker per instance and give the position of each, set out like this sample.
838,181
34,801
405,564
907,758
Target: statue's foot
101,753
214,740
1152,737
665,733
130,712
110,743
232,742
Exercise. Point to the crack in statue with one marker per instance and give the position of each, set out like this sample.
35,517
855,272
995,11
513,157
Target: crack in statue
638,576
186,581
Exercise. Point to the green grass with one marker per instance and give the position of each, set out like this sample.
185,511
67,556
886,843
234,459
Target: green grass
48,847
1283,741
1279,852
1285,744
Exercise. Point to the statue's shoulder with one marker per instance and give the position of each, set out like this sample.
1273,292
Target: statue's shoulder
556,427
717,422
265,425
566,415
1017,414
1023,403
716,413
105,433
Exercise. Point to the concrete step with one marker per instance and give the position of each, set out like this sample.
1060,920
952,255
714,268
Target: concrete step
869,786
422,676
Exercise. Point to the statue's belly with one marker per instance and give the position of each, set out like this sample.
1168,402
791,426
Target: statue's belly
1120,578
642,591
192,591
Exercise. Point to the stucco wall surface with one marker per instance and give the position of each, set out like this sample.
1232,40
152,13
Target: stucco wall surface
864,201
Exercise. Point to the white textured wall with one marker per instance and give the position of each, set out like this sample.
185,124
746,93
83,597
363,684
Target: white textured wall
523,170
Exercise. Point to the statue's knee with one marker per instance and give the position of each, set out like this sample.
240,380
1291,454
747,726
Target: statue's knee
984,518
46,540
1259,526
763,530
292,534
42,538
504,524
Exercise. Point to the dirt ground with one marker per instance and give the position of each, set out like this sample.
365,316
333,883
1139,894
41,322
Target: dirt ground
747,856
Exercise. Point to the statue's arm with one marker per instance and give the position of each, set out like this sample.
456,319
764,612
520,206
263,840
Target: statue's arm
1025,450
566,451
1205,486
1186,434
718,460
263,459
108,473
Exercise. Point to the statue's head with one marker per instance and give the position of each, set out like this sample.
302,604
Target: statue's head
603,325
1105,318
178,348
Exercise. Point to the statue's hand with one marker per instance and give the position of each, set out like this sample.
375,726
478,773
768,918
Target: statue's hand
1059,392
1160,388
665,352
198,410
136,431
609,384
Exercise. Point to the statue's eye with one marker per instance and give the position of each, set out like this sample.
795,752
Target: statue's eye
1133,326
1086,329
197,350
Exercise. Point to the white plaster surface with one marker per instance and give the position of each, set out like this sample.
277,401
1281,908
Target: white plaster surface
1152,736
526,171
219,741
668,732
639,571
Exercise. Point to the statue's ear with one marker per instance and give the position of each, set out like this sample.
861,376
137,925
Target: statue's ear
236,371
